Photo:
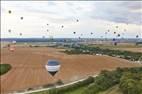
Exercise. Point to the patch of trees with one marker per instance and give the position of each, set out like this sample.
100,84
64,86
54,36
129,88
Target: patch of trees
4,68
124,76
133,56
131,83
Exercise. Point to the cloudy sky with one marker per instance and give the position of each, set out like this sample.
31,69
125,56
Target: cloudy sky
94,16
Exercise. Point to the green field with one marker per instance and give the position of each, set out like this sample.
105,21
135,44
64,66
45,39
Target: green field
4,68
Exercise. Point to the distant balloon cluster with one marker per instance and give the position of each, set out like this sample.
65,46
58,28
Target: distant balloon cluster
9,30
115,32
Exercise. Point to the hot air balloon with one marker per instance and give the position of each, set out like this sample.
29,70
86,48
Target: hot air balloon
118,35
74,32
52,67
114,32
115,43
77,20
9,30
113,39
20,34
62,26
137,36
116,26
9,11
21,18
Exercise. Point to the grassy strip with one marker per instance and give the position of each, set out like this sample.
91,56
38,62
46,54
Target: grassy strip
4,68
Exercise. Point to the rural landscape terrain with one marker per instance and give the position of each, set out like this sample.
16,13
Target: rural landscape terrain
71,47
28,66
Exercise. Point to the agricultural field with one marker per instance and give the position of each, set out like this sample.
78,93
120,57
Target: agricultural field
28,67
121,46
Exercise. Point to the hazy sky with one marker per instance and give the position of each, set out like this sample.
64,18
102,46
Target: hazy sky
94,16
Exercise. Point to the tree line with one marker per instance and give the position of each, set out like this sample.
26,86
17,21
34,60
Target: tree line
83,49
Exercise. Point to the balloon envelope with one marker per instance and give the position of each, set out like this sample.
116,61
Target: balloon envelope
137,36
9,30
20,34
9,11
52,67
118,35
77,20
21,18
113,39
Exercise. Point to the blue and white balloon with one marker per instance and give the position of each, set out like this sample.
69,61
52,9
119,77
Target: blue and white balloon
52,67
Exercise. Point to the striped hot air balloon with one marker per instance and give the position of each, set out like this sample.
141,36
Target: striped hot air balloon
52,67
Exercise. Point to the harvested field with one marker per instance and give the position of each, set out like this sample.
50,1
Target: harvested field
122,46
131,49
28,67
